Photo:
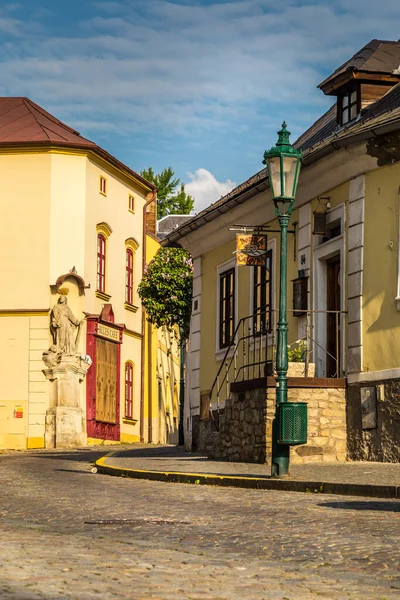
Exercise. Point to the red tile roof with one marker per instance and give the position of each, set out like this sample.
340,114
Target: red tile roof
24,123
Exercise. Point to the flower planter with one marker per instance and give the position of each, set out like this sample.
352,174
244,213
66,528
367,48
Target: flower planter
298,369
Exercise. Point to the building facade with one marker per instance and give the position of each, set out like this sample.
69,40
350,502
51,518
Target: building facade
74,227
343,275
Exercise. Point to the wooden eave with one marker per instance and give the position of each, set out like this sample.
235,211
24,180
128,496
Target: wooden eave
332,87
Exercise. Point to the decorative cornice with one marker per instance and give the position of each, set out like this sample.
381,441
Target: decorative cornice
129,421
132,333
104,228
107,162
131,307
24,312
132,243
102,295
80,281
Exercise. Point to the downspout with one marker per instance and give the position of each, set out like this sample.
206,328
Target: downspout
150,381
181,438
143,341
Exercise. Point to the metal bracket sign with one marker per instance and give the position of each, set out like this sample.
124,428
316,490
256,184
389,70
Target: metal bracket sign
251,250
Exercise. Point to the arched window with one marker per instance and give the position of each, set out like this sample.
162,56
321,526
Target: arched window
128,390
129,277
101,262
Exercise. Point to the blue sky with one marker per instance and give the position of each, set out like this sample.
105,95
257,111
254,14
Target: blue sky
198,85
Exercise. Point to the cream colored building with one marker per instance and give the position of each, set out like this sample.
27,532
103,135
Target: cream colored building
73,220
343,257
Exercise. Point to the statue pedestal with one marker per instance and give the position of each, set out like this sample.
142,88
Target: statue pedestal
65,425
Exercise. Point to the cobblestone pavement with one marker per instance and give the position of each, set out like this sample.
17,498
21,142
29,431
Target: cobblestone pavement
184,541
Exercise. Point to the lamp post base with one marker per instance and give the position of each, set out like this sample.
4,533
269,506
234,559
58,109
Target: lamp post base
280,454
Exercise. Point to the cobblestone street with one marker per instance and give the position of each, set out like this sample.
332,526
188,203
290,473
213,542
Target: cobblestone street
184,541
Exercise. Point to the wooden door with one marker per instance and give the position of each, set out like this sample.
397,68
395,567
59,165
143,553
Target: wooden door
106,381
333,333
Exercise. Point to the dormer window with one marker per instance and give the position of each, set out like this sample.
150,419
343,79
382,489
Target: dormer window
348,106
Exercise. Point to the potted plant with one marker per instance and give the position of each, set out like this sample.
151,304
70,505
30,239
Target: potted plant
297,352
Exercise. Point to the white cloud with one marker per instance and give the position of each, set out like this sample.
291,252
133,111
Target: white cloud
205,188
185,70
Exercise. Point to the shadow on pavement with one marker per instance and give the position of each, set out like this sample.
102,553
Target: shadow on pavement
75,471
89,456
364,505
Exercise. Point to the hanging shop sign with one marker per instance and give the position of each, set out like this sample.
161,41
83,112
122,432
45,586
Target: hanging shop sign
251,250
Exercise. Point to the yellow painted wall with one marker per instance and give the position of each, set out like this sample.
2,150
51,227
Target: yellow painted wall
52,204
130,351
67,214
161,373
168,362
22,341
25,233
381,319
113,210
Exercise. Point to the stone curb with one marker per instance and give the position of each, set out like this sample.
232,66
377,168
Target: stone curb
258,483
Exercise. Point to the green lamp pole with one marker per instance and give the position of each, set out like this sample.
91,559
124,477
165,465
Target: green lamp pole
283,165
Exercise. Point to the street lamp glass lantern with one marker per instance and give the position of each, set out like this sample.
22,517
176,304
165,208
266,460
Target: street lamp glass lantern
283,166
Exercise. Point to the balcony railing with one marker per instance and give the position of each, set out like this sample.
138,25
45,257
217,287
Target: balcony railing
252,352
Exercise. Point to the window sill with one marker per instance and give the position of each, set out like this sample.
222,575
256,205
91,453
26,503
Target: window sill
131,307
102,295
327,242
129,421
131,211
103,194
220,354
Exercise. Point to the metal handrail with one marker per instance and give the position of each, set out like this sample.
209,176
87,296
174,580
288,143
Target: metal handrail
246,340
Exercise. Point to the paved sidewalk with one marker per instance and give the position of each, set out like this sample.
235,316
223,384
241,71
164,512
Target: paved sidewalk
175,464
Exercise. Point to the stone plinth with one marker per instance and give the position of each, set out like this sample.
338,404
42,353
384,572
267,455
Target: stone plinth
65,425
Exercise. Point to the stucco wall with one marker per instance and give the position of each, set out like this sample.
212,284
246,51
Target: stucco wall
381,319
25,230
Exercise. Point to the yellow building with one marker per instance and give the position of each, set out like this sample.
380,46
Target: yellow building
343,264
73,222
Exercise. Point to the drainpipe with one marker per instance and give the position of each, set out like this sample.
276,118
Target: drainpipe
181,437
143,342
150,380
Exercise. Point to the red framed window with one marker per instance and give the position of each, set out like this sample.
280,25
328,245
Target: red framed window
101,263
129,277
128,390
132,203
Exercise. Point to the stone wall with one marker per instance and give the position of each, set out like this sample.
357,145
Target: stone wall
243,428
374,428
326,424
245,423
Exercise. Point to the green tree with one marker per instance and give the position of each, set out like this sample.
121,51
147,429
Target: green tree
169,200
166,290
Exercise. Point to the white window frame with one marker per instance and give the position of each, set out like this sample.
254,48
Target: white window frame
271,245
321,253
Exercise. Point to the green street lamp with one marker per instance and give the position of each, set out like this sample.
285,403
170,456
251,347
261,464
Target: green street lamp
283,166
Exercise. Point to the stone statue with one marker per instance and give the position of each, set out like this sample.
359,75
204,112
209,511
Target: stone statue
63,325
52,357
